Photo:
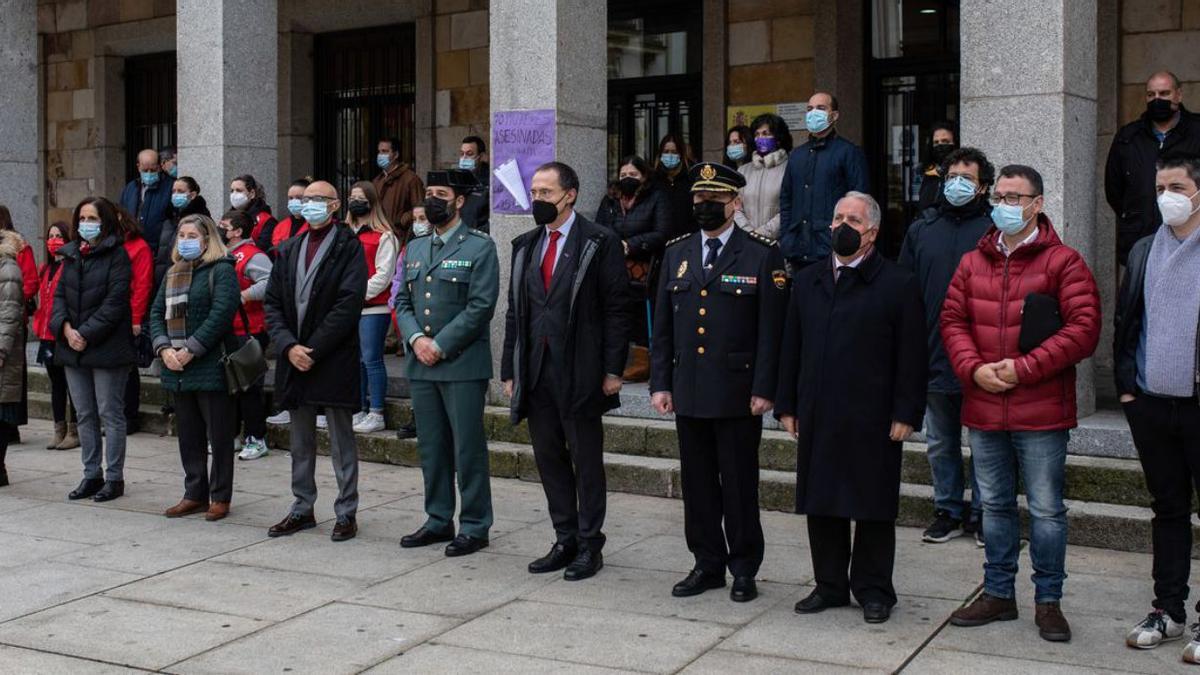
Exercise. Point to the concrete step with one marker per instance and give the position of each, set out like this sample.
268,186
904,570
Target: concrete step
152,419
1119,527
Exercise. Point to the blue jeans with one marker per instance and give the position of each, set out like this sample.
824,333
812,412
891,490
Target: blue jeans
943,434
1042,457
372,331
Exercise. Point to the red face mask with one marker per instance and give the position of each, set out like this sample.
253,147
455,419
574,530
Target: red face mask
53,244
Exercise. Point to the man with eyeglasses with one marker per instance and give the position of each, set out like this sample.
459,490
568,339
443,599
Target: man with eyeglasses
566,337
1021,311
314,298
933,246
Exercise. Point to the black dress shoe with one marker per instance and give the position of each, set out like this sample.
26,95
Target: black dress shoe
816,603
696,582
424,537
87,488
3,478
345,529
744,589
292,524
876,612
560,556
111,490
406,431
465,544
585,565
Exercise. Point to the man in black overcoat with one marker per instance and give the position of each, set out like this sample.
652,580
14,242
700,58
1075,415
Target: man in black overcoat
851,389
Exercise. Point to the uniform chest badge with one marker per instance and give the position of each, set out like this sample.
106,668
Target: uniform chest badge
682,270
456,264
780,279
739,279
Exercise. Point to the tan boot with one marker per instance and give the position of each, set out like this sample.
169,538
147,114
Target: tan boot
60,432
71,440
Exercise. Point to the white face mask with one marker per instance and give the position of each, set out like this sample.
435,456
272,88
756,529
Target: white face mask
1176,208
238,199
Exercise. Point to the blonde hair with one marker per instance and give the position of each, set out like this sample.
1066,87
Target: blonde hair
376,219
214,248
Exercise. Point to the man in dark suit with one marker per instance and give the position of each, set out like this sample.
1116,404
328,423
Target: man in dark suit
565,343
714,363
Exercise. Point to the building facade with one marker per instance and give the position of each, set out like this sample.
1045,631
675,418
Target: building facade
288,88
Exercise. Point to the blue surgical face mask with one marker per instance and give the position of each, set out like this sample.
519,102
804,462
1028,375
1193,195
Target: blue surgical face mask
669,159
1009,219
735,151
149,178
89,230
294,206
383,159
179,199
189,249
959,190
315,213
466,163
173,172
816,120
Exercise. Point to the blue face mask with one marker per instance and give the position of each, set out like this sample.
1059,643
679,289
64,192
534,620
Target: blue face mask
669,159
89,230
294,206
1009,219
816,120
315,213
959,190
466,163
189,249
179,200
383,159
735,151
173,172
149,178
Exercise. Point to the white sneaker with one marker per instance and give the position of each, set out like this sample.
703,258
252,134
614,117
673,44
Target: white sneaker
254,448
1158,627
358,417
370,423
283,417
1191,653
322,423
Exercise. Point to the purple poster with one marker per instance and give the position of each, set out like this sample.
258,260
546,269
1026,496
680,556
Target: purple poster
522,140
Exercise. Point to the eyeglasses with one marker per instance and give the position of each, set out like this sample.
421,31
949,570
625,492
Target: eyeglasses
318,199
1012,198
544,195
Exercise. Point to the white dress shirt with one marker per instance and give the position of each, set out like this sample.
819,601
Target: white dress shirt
837,265
565,231
724,237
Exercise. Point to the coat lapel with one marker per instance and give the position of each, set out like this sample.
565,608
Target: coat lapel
569,259
695,259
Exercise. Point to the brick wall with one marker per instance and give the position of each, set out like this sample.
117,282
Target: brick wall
770,51
1158,35
461,105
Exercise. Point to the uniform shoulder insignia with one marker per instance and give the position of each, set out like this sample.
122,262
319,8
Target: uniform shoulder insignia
765,241
680,238
480,234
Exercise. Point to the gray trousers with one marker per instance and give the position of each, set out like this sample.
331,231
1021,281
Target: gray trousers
342,451
99,395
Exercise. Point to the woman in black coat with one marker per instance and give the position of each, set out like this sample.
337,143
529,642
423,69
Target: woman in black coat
93,331
851,385
186,200
671,172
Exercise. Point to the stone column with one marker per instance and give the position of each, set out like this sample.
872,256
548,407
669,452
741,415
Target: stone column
838,66
20,185
551,54
228,91
1028,91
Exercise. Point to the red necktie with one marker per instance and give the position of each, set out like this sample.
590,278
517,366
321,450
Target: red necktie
548,259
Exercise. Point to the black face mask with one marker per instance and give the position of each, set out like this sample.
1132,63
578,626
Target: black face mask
846,240
940,152
1159,110
629,185
544,212
359,207
709,215
438,211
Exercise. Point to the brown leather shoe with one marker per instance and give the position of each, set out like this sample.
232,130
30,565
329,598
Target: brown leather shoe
291,524
345,529
1051,623
217,511
985,609
185,507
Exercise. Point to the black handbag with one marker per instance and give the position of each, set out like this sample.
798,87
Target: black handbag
143,349
247,364
1040,320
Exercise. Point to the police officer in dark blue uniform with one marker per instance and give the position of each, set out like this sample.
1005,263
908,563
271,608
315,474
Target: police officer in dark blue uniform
714,361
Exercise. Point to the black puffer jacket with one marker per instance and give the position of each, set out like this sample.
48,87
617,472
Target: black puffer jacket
93,296
646,227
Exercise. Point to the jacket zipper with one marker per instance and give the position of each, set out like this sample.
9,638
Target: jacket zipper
1003,330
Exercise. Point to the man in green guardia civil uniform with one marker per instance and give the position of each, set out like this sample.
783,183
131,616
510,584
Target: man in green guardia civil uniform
444,309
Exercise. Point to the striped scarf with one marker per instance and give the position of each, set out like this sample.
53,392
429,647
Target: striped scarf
178,283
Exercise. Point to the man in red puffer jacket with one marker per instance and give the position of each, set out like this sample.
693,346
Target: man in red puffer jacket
1020,405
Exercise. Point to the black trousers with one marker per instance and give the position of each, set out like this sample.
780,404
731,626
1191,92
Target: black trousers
719,472
252,404
133,395
206,417
1166,433
569,452
870,563
58,392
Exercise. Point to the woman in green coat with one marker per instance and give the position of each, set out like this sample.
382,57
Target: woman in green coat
190,321
12,349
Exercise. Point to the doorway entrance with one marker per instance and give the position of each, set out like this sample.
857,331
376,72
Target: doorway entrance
149,106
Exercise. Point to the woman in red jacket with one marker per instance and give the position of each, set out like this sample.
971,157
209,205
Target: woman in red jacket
25,259
293,225
65,435
141,291
246,195
381,247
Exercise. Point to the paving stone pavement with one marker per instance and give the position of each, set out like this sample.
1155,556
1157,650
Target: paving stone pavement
113,588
